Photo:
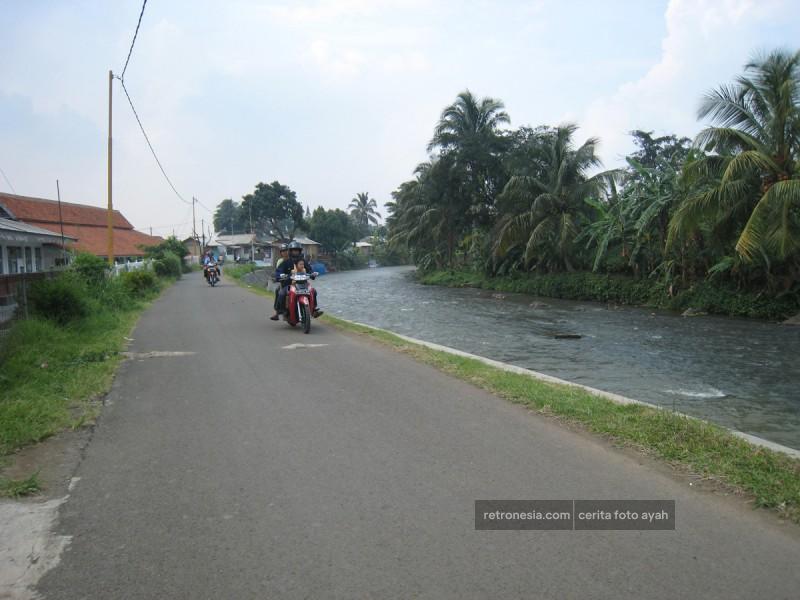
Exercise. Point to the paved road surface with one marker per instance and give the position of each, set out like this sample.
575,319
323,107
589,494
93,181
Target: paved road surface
245,470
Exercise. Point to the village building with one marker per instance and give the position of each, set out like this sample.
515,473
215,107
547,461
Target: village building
364,248
85,227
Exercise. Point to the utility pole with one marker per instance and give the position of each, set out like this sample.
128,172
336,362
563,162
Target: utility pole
151,231
252,236
110,203
203,229
61,222
194,223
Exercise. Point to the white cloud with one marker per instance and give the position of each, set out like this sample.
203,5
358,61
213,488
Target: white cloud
703,37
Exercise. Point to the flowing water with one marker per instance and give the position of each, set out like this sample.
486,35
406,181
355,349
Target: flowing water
740,373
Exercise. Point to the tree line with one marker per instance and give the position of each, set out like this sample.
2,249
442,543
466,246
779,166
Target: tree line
724,206
273,210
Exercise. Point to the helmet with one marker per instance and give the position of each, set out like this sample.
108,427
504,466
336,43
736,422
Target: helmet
284,247
295,245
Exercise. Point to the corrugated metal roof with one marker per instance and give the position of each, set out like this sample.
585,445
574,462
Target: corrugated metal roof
306,241
20,227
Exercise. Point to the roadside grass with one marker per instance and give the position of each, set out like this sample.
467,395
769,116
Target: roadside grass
52,374
16,488
238,271
771,478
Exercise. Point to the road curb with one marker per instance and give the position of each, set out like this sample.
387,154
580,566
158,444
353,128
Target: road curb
616,398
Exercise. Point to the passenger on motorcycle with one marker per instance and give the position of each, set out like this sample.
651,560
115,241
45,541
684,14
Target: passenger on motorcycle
295,255
280,268
300,267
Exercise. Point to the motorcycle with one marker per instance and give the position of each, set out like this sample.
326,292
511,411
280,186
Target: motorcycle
212,275
299,300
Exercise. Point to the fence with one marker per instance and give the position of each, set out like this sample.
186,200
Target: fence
131,266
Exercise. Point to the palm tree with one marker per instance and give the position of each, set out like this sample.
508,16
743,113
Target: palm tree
554,197
468,130
754,171
364,210
428,214
469,124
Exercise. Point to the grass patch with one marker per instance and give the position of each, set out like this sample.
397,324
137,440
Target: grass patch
236,272
49,375
53,370
771,478
16,488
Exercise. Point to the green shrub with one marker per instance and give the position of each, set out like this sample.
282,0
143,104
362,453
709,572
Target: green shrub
62,299
349,259
171,246
92,269
139,284
169,265
239,271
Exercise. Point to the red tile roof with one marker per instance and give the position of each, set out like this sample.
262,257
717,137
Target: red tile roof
39,210
86,223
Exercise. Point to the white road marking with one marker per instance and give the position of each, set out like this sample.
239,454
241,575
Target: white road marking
155,354
298,346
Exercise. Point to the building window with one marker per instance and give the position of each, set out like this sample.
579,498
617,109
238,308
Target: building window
14,256
28,260
2,261
38,255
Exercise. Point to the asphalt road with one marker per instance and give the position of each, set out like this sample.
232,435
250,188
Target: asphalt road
240,469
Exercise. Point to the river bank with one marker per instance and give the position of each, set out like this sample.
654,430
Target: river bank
739,373
703,297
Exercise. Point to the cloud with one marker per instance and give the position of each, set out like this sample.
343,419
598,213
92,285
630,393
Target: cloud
702,37
336,62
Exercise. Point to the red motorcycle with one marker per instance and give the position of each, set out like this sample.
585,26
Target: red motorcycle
300,300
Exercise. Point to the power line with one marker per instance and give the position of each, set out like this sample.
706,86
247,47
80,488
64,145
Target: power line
135,33
169,226
7,181
147,139
204,206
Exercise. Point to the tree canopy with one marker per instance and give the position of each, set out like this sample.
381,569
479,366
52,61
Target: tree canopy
274,209
724,207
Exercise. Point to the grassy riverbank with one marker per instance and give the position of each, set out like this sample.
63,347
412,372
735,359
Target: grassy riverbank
705,297
772,479
55,366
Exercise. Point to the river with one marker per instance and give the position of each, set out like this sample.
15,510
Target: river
740,373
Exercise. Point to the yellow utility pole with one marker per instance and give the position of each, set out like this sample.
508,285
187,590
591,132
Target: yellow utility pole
110,203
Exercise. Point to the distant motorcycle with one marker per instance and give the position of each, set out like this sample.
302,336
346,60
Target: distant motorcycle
212,275
299,300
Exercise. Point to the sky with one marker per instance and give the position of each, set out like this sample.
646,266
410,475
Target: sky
335,97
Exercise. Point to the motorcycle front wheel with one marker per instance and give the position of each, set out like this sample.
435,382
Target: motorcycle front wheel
305,317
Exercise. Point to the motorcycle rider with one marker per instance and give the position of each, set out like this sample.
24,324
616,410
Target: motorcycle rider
209,262
295,255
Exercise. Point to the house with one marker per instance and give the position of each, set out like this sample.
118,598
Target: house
84,226
245,247
310,247
27,252
26,248
192,246
364,248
